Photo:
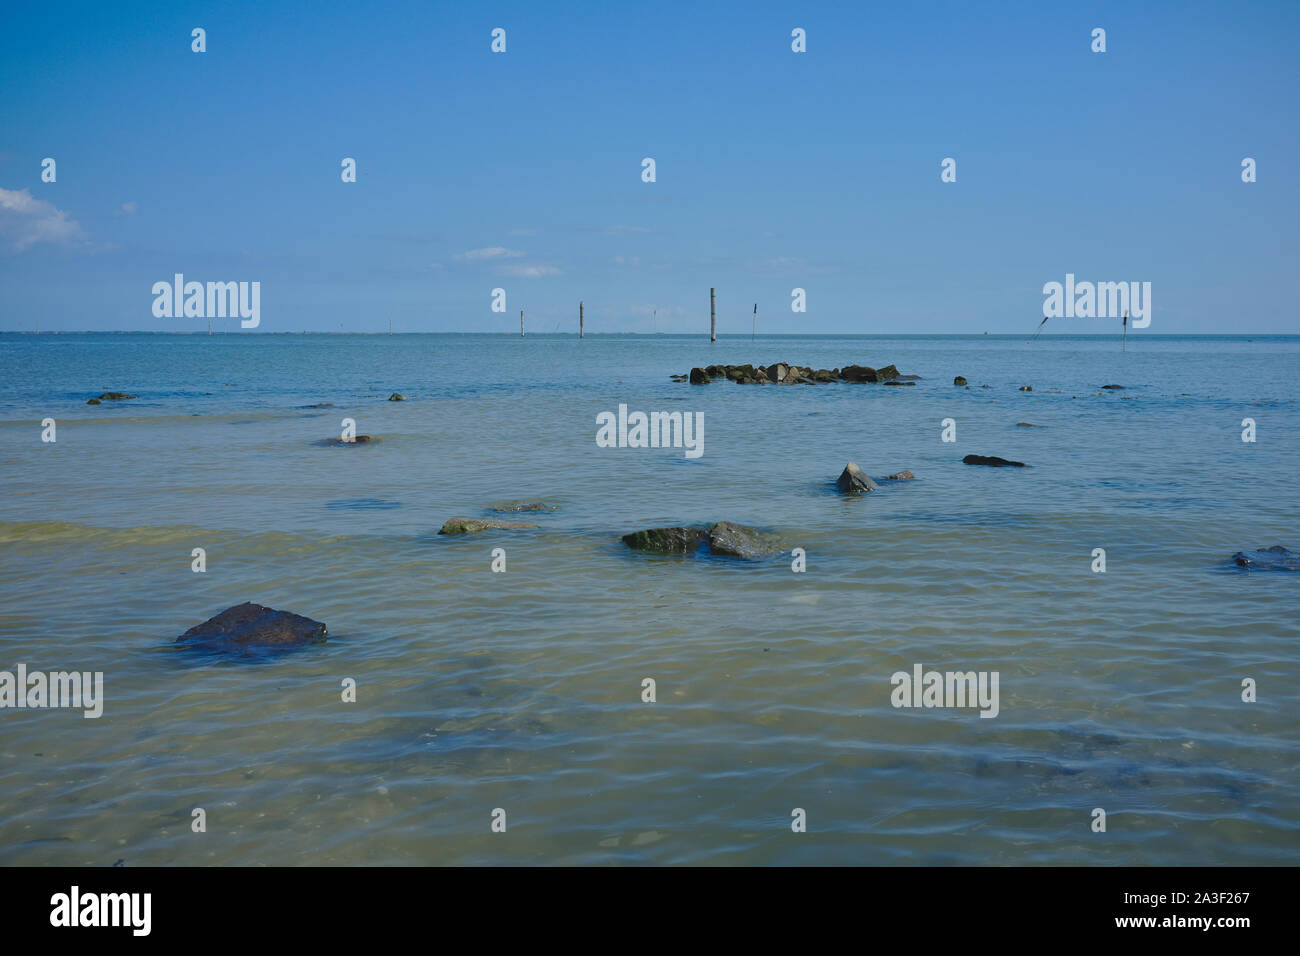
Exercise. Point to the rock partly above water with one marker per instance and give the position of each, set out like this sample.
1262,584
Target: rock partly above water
475,525
853,479
250,627
111,397
992,460
509,507
723,538
959,380
1276,558
667,540
397,397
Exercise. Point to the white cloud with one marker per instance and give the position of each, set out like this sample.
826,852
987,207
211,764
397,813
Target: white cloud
126,209
493,252
529,272
25,221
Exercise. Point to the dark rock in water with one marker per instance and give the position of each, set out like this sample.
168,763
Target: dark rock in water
854,479
777,372
824,375
991,460
1276,558
901,476
899,382
508,507
737,541
1113,386
475,525
319,405
1026,388
909,378
248,627
859,373
699,377
397,397
115,396
959,380
1027,425
888,373
716,371
667,540
340,443
92,401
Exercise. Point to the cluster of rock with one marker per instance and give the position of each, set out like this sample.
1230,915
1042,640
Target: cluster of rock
783,373
723,538
853,480
109,397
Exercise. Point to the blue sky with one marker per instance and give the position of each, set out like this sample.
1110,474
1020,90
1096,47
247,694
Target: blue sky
775,170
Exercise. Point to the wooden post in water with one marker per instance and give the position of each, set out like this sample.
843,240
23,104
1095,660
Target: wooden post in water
580,320
713,316
521,323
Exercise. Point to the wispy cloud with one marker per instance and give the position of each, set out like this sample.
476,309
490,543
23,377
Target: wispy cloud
492,252
25,222
621,230
787,266
126,209
523,271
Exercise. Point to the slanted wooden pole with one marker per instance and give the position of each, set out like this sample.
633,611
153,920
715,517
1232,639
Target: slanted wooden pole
580,320
713,315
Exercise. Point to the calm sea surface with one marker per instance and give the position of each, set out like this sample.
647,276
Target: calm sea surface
522,690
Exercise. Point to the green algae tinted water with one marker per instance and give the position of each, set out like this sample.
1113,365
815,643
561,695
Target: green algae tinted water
522,690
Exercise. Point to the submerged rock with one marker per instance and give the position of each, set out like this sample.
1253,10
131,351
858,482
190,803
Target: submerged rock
115,396
475,525
1027,425
899,382
248,627
319,405
959,380
854,479
1113,386
992,460
507,507
901,476
1276,558
667,540
92,401
340,443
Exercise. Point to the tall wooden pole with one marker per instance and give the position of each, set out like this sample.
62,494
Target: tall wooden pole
580,320
713,315
521,323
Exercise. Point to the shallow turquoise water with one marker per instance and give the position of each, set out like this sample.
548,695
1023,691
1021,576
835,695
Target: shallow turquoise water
522,690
